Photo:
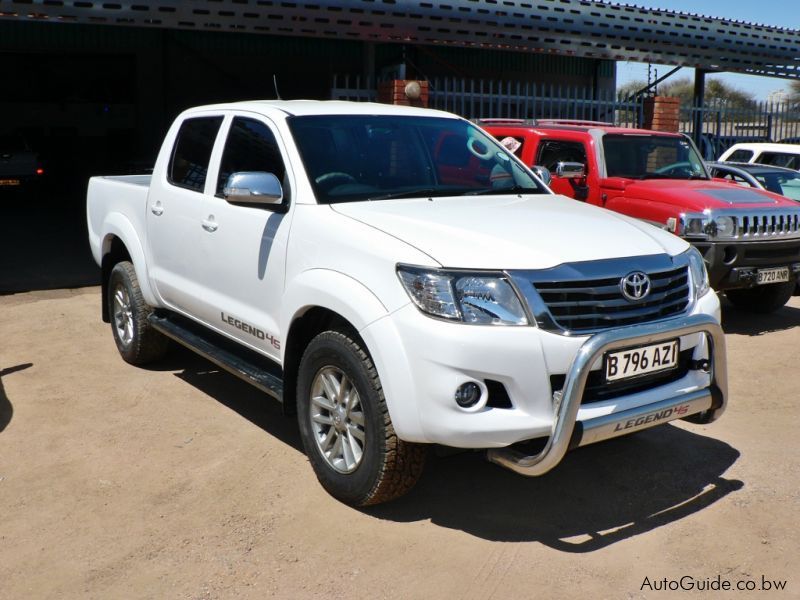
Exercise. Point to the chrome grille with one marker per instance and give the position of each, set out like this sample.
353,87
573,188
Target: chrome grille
770,225
586,297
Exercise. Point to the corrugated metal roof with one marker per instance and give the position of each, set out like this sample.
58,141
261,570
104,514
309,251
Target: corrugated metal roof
563,27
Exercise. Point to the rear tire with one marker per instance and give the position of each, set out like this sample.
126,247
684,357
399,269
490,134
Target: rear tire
345,425
763,298
138,343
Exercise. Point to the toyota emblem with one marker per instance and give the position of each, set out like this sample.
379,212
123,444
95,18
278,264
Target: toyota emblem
635,286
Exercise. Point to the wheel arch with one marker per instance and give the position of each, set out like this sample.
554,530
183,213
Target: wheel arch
310,323
120,243
318,300
114,252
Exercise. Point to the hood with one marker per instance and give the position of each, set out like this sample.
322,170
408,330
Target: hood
511,232
698,195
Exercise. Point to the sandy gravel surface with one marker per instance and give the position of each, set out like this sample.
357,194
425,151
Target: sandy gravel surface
182,482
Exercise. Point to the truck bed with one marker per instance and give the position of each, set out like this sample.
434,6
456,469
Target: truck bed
118,201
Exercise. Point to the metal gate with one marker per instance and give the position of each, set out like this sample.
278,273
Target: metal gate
479,98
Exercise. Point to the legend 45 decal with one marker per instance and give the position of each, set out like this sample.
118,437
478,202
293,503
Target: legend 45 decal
251,329
667,413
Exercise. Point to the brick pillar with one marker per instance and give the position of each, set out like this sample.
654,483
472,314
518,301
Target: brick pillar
662,113
394,92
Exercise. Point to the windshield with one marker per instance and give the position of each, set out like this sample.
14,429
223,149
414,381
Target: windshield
380,157
652,157
784,183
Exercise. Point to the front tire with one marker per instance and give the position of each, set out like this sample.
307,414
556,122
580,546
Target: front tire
763,298
345,425
138,343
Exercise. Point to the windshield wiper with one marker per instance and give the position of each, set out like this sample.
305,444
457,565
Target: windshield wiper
420,193
672,177
517,189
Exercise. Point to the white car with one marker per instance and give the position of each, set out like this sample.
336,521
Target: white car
779,155
397,278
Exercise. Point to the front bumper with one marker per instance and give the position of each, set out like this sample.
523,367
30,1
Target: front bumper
734,264
706,404
421,362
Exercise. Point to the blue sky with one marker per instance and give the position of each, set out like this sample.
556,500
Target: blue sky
782,13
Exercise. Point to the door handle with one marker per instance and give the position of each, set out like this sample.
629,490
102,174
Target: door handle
210,225
157,209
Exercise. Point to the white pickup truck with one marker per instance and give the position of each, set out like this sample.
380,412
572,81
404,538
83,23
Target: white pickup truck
397,278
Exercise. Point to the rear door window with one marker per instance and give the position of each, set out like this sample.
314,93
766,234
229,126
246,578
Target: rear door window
780,159
740,156
188,166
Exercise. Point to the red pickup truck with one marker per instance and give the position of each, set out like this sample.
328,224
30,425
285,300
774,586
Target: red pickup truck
750,238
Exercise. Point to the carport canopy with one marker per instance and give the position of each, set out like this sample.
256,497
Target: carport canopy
578,28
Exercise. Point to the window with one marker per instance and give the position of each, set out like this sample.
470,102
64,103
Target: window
251,146
780,159
552,152
189,164
734,177
785,183
740,156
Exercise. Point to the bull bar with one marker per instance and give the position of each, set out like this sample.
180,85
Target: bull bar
566,432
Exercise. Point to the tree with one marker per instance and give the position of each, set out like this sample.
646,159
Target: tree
794,92
716,92
630,88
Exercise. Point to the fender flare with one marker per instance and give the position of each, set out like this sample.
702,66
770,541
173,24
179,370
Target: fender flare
359,306
117,225
333,290
669,210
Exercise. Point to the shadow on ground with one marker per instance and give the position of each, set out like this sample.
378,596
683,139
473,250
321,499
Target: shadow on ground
6,409
747,323
252,404
597,496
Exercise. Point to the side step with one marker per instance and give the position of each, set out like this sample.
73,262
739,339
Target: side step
246,364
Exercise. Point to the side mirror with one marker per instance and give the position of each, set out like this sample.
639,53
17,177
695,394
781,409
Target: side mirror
542,173
570,170
253,187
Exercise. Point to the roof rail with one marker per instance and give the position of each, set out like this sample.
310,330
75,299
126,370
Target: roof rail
535,122
501,121
573,122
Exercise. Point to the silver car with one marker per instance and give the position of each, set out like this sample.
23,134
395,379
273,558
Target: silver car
765,177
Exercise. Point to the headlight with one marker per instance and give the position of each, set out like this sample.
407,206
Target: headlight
709,226
477,298
725,227
697,267
694,226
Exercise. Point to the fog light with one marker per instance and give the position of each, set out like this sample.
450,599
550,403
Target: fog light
468,394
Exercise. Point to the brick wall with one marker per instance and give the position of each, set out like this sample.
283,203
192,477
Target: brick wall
662,113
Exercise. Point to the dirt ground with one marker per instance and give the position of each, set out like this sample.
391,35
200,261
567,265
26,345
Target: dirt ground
179,481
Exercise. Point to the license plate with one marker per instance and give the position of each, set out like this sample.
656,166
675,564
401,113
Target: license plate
9,181
634,362
778,275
